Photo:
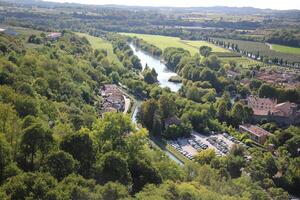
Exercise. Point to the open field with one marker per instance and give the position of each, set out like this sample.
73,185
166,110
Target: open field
263,49
285,49
164,41
99,43
26,32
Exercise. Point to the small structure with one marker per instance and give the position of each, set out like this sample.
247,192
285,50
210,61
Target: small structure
232,74
255,133
172,121
54,36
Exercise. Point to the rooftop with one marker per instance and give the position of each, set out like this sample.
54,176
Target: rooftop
256,130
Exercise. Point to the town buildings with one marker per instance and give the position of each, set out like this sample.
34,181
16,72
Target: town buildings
113,99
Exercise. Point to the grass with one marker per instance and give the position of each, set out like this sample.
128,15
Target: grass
177,154
285,49
244,61
163,42
99,43
26,32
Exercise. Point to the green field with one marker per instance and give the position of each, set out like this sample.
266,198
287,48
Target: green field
163,42
26,32
246,62
285,49
99,43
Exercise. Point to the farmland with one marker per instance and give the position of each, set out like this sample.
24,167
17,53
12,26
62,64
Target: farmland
264,50
163,42
285,49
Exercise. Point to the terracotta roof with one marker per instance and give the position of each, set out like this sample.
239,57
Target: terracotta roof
256,130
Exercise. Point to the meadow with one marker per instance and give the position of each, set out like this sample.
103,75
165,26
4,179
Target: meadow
285,49
163,42
264,49
99,43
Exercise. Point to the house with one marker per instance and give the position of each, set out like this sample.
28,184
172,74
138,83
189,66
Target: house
172,121
261,106
255,133
232,74
266,108
54,36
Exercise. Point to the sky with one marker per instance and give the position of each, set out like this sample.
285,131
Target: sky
273,4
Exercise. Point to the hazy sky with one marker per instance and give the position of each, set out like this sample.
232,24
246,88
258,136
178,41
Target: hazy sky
274,4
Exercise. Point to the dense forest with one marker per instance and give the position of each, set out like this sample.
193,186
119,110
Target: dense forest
57,144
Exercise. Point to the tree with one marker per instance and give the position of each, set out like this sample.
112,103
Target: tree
167,106
205,156
9,124
112,127
60,164
30,186
80,146
113,167
222,111
205,51
147,112
26,106
76,187
267,91
238,113
114,191
143,173
234,165
35,143
5,156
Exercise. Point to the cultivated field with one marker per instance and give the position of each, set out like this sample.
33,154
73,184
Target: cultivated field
285,49
163,42
99,43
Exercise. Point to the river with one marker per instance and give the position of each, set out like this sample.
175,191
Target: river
163,72
163,78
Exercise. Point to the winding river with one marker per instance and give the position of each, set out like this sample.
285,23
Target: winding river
163,78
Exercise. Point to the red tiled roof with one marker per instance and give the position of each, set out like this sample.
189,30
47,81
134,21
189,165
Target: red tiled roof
256,130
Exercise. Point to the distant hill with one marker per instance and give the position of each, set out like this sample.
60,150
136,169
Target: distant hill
214,9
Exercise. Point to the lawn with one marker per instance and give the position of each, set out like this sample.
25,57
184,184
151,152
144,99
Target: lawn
285,49
99,43
165,41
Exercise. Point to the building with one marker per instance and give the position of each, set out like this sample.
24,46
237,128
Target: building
266,108
232,74
172,121
286,79
261,106
54,36
113,99
255,133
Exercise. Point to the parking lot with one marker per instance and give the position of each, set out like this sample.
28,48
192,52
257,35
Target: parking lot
189,147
